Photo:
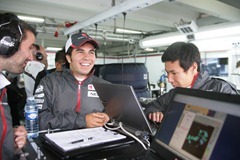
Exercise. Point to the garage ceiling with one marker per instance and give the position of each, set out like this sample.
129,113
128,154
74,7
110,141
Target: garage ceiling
159,18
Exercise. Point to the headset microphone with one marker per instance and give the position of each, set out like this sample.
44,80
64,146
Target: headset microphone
39,56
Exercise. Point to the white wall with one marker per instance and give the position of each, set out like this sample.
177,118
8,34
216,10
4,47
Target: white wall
233,56
51,60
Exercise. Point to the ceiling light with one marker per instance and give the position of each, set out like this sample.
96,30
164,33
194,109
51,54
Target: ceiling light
219,32
107,38
149,49
125,6
216,44
31,19
126,31
53,49
117,39
161,40
214,31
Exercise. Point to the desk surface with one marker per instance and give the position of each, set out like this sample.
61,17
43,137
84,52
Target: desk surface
38,151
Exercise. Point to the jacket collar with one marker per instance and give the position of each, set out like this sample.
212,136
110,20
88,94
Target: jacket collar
201,79
3,81
69,73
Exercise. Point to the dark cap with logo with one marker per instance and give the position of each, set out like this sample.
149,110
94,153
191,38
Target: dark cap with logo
78,39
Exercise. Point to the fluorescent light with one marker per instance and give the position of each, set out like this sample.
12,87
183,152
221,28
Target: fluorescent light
126,31
53,49
215,44
161,40
117,39
31,19
214,31
107,38
222,32
149,49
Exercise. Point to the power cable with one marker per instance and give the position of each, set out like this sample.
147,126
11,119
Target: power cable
128,133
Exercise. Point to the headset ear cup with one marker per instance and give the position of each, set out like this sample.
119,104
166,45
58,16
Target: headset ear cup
39,56
8,43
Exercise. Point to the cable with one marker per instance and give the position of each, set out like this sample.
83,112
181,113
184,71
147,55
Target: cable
131,135
96,25
128,133
124,21
112,129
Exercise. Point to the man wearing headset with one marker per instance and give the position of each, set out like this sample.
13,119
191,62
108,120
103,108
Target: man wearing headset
16,39
32,68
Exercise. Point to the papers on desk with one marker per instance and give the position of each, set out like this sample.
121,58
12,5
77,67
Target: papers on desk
69,140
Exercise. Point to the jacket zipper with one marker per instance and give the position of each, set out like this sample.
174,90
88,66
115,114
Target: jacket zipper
79,98
78,106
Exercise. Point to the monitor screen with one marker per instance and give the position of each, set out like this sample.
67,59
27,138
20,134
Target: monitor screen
201,128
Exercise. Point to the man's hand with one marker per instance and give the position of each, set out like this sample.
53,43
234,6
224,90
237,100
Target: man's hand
96,119
20,135
156,116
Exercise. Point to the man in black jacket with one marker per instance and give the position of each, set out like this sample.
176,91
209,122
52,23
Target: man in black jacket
60,64
182,64
68,100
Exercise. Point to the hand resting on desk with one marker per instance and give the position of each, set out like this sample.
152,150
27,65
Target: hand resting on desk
96,119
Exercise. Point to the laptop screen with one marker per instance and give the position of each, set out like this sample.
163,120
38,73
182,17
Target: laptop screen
200,125
121,105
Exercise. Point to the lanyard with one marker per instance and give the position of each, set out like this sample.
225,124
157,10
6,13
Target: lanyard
4,129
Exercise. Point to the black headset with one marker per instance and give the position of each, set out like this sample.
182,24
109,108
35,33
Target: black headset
9,43
39,56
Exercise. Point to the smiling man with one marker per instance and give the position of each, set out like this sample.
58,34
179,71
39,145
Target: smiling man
16,40
68,100
182,64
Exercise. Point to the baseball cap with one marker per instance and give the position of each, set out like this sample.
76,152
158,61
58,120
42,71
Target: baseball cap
78,39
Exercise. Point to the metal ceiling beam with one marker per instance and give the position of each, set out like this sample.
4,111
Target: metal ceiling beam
126,6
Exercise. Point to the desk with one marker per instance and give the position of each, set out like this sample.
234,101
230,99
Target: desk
36,151
44,153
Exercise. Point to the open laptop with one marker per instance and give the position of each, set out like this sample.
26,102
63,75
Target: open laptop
198,125
122,106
